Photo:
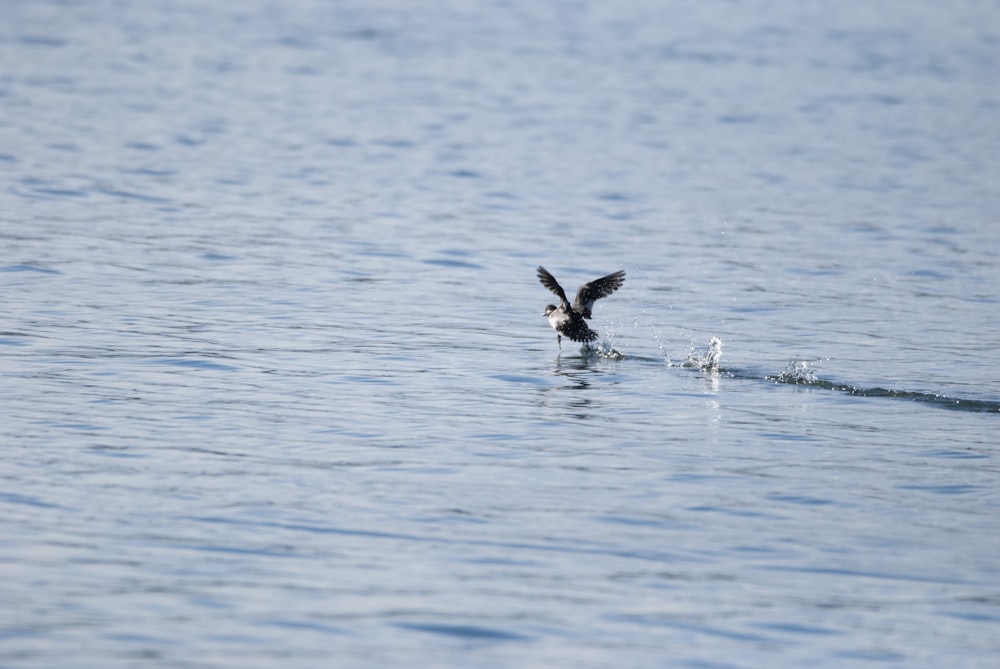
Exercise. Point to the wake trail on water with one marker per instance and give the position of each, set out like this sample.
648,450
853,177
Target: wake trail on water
801,373
796,373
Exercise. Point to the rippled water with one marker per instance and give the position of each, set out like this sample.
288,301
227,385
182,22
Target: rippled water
277,390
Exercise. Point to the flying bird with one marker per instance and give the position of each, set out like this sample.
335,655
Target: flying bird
569,319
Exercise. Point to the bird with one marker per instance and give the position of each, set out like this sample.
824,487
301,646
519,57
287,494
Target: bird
569,320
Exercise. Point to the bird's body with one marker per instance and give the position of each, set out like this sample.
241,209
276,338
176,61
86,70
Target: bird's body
569,320
569,323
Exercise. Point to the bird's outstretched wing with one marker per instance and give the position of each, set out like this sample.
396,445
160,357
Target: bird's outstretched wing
550,282
595,290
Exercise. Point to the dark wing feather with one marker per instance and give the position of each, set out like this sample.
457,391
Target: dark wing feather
595,290
550,282
576,329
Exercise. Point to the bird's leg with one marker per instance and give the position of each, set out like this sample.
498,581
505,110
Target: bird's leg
559,340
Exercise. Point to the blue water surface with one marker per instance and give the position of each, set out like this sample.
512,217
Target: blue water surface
277,390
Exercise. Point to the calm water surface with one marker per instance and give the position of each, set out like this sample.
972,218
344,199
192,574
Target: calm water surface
277,390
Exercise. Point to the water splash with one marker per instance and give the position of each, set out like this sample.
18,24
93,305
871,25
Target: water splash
797,372
602,349
606,347
607,351
658,339
707,359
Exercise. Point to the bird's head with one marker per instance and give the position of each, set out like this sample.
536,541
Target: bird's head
549,308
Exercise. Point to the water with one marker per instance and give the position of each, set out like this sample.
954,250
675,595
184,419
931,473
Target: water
277,390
